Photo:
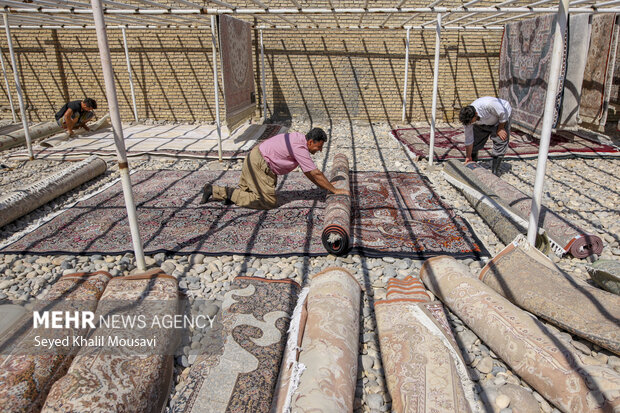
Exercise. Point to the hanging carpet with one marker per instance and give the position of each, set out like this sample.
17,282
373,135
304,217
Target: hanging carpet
172,141
450,144
524,66
242,376
393,213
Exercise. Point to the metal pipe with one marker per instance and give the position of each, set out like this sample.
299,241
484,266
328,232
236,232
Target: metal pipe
8,89
115,117
547,123
216,92
431,148
406,75
133,94
262,71
18,87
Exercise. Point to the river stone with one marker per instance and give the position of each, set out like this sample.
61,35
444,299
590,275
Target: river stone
606,274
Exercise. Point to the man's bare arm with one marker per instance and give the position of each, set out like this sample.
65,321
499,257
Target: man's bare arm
318,178
501,131
69,121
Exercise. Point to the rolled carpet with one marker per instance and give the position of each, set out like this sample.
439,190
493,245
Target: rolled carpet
505,224
27,371
527,278
18,137
564,235
19,202
126,378
606,274
423,366
330,344
337,218
242,376
522,341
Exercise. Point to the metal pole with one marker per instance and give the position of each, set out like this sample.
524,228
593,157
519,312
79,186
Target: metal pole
216,86
133,94
8,89
435,82
115,117
18,87
547,124
262,70
406,75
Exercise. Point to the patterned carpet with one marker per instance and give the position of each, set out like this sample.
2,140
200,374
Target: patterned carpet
449,144
394,214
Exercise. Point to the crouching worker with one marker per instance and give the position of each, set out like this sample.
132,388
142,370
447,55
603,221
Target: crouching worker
487,117
278,155
74,115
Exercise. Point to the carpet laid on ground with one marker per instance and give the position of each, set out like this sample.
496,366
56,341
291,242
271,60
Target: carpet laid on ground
564,235
524,343
242,376
144,141
527,278
524,66
424,369
393,213
450,144
26,373
131,378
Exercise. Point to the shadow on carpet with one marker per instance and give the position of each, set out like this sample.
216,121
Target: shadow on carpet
394,214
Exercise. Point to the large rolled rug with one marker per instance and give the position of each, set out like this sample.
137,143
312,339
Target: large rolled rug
330,342
242,377
576,59
393,213
525,63
523,342
337,220
496,214
37,131
527,278
27,371
423,366
237,69
564,235
130,378
599,69
19,202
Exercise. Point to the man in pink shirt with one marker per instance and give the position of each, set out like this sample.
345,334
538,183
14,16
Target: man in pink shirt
278,155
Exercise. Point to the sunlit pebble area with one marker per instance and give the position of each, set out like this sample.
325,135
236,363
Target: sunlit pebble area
585,191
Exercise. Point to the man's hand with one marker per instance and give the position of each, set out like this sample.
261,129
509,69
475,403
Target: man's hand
86,127
503,135
338,191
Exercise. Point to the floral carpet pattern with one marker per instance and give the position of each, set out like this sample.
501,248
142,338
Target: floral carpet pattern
393,213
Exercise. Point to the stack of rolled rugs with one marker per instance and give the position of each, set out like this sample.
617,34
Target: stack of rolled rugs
337,217
507,210
548,364
424,369
98,377
19,202
259,369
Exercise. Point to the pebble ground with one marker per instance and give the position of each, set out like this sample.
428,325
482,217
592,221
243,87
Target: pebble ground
585,191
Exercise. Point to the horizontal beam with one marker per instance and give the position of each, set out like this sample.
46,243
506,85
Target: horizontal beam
292,11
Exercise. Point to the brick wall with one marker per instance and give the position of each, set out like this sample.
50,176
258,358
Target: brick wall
339,74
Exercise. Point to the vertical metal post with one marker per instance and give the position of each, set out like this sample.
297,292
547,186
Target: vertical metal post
115,117
133,94
8,89
406,75
216,87
262,70
18,87
547,123
431,148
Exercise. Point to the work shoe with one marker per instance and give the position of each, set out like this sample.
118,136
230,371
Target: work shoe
207,191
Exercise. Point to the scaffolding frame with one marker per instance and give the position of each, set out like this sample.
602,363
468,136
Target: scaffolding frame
439,15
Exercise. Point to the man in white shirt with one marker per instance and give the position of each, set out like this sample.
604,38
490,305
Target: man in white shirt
487,117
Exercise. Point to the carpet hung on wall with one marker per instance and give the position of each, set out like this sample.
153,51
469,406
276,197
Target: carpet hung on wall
393,213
